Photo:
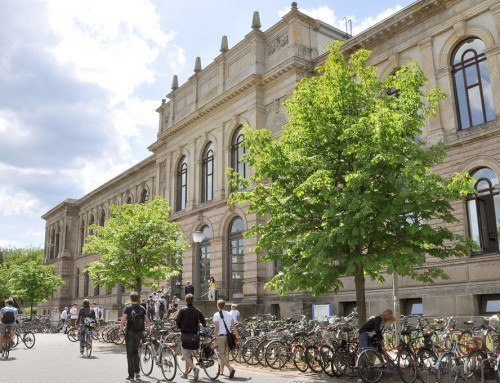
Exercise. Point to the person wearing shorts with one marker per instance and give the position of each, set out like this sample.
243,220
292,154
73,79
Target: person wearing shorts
221,317
188,320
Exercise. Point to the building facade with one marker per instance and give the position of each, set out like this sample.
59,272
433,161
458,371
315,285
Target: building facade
199,136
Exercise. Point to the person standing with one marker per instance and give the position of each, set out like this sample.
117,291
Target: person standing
132,315
73,314
235,313
211,289
188,320
162,307
150,307
85,315
64,318
97,311
188,289
223,321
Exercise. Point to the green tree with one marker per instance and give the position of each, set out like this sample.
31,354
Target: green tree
13,258
34,282
138,246
348,186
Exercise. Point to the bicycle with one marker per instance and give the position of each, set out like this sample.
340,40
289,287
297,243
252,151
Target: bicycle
88,338
25,336
207,356
156,351
374,361
7,342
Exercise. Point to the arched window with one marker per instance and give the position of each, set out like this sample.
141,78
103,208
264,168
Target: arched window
181,184
471,78
92,221
204,259
207,171
86,282
130,201
236,258
236,152
102,219
82,235
483,210
144,196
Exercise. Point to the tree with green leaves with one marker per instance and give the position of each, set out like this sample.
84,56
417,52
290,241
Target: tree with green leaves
34,282
12,258
139,246
348,186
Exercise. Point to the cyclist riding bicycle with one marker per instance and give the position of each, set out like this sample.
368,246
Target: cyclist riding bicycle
85,317
8,317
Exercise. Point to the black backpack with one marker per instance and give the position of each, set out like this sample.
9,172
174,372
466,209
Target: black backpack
8,315
162,305
137,323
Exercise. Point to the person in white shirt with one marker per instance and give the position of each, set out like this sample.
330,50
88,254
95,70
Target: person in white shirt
97,311
221,317
73,314
235,313
64,317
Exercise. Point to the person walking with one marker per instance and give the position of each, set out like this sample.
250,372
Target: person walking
188,320
131,321
223,321
211,289
162,307
235,313
64,318
85,315
150,303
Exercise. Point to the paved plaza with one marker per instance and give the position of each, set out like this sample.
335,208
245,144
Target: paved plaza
55,359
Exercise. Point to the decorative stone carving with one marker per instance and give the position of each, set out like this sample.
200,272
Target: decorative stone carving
275,114
275,45
303,51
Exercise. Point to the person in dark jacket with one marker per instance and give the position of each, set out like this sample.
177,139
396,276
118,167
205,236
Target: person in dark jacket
189,289
188,321
85,316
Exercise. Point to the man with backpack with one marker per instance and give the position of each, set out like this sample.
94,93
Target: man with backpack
8,317
133,320
162,306
85,317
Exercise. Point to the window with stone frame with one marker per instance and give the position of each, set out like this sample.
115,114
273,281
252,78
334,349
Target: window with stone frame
471,78
237,150
207,173
181,185
483,211
145,196
236,261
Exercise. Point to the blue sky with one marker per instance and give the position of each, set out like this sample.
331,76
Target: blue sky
80,82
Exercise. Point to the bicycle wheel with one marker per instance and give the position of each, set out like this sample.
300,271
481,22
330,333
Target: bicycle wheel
327,354
88,345
168,363
345,361
445,368
407,366
29,339
299,358
260,352
276,355
146,358
209,361
248,351
389,339
6,347
370,366
313,359
426,360
73,334
474,365
235,353
463,340
15,341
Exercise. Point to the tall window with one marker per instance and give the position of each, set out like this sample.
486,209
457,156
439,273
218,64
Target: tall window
204,254
181,184
236,152
86,282
236,258
130,201
102,219
471,77
483,210
207,171
82,235
77,283
144,196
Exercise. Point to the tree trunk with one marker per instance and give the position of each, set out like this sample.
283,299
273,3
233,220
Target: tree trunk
138,285
31,311
359,282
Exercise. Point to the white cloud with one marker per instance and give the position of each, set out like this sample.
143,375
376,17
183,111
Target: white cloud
19,204
177,59
371,21
111,43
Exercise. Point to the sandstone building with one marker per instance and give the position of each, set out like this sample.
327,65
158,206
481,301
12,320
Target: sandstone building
457,44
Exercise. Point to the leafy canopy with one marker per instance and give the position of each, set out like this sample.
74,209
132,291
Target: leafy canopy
348,186
138,246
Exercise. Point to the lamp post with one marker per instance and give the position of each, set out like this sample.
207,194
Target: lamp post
197,238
